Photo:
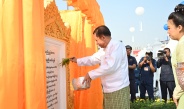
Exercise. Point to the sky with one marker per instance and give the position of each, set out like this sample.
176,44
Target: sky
119,16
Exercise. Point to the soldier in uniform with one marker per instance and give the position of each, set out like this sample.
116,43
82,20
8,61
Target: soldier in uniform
132,63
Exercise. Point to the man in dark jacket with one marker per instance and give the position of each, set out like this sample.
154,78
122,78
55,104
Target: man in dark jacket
166,74
132,63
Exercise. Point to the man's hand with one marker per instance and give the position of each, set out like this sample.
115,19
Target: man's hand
73,59
149,61
145,59
151,66
132,66
175,101
87,79
166,59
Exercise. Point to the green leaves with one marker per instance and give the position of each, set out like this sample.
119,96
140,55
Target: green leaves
157,104
65,61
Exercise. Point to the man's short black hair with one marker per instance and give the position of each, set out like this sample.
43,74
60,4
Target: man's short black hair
167,49
149,53
102,30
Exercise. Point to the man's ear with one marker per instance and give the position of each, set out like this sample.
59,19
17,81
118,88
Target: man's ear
103,37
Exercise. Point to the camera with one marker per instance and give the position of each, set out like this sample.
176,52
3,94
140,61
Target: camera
161,54
149,56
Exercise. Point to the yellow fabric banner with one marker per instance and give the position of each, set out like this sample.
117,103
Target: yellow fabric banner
82,44
22,57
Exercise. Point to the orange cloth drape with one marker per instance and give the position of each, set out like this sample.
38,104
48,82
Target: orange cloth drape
82,44
22,57
90,8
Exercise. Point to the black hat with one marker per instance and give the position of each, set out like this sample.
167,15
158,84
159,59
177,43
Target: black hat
128,47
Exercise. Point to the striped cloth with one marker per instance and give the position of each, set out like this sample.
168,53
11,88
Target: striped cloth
117,100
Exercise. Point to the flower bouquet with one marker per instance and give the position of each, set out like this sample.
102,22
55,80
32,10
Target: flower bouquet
65,61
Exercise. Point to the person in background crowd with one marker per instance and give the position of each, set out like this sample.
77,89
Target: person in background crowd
147,66
132,63
113,69
166,74
176,32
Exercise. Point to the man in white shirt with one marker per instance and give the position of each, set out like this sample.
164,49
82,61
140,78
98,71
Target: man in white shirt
113,69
